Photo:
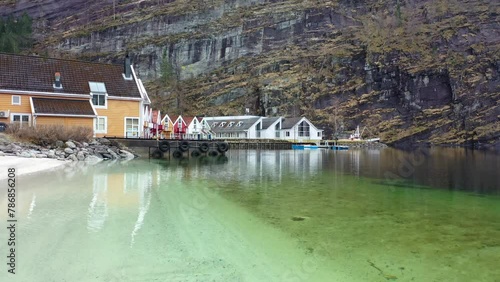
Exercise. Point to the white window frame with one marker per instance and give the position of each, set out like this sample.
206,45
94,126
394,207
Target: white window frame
105,100
101,90
222,124
13,96
105,130
125,127
287,133
239,123
21,118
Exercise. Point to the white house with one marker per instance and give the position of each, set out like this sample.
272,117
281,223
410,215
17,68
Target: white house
271,128
198,128
235,127
299,129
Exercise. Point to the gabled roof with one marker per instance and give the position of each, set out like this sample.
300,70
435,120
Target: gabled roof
267,122
175,118
188,120
245,125
32,73
47,106
288,123
166,118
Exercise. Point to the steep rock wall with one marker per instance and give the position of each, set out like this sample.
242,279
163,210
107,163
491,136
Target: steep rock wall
412,71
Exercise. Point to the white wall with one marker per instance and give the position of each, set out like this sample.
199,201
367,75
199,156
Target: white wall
294,133
270,132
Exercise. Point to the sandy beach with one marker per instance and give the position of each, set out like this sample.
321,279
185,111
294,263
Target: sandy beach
25,166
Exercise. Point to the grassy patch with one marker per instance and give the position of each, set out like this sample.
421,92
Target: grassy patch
48,134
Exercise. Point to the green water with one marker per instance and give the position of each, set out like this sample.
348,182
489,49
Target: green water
367,215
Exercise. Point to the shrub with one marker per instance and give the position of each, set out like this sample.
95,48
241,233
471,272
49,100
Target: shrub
48,134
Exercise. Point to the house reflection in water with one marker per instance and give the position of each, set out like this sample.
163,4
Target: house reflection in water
123,188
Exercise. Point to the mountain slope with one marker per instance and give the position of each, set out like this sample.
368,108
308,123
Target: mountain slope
411,71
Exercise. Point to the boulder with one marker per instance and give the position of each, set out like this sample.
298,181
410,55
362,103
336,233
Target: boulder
41,156
93,159
68,151
24,155
113,154
80,156
70,144
51,154
59,143
85,144
2,154
107,156
72,157
126,155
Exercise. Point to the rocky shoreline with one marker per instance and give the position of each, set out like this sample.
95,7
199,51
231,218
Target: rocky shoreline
95,151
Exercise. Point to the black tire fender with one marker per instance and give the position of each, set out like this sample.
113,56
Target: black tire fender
184,146
157,154
177,154
222,147
195,153
164,146
204,147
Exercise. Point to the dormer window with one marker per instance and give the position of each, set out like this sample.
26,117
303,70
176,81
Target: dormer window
222,124
230,124
240,123
214,124
99,93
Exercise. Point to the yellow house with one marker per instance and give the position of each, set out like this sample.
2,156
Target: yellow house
35,91
167,127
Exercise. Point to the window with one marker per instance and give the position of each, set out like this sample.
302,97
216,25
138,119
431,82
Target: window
131,127
222,124
98,92
101,125
319,134
230,124
99,99
304,129
179,124
16,100
277,130
22,120
239,123
214,124
287,134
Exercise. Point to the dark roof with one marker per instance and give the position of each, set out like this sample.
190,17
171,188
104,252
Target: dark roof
62,106
266,122
288,123
187,120
31,73
245,125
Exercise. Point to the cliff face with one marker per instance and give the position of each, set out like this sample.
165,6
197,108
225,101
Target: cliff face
408,70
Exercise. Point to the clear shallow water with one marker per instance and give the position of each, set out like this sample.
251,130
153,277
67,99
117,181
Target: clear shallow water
266,216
